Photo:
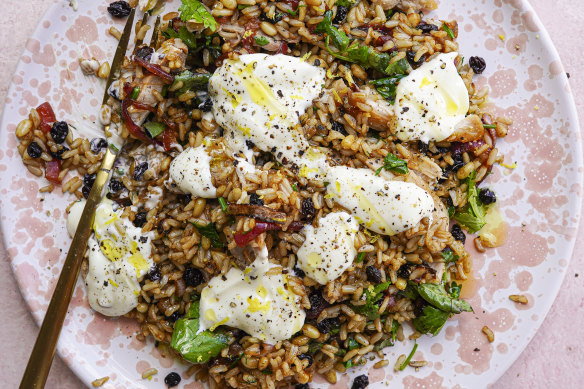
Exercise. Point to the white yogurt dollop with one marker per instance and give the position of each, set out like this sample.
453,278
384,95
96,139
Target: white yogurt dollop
328,250
119,256
191,171
386,207
259,98
431,100
260,304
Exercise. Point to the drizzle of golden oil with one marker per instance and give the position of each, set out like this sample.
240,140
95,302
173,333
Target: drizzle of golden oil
494,233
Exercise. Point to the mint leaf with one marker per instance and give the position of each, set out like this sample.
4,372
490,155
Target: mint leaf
436,295
431,321
195,10
346,3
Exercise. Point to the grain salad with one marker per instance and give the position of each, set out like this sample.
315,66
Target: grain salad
295,184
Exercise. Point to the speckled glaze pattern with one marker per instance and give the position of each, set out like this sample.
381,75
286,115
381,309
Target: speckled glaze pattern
540,200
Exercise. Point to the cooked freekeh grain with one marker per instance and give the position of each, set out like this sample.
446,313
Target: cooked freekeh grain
343,324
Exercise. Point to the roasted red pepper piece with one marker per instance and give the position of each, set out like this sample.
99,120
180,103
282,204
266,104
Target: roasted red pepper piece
241,238
47,115
52,171
133,128
154,69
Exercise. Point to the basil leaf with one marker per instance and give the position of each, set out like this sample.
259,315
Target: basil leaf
387,87
431,321
195,10
192,81
197,348
210,231
394,164
261,40
436,295
154,128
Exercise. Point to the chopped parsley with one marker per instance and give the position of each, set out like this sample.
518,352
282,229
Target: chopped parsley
372,295
449,256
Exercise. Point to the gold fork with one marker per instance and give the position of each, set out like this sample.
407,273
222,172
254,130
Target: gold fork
41,358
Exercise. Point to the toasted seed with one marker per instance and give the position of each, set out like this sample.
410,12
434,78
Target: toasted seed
418,363
99,382
23,128
104,70
490,335
310,331
115,33
519,298
149,373
399,362
380,364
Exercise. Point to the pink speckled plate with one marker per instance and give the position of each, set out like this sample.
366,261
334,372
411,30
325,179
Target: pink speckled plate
540,200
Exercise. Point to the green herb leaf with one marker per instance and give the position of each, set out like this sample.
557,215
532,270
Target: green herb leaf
314,347
436,295
195,10
223,204
261,40
385,343
197,348
346,3
135,93
451,211
339,38
370,308
397,68
243,6
448,255
387,87
431,321
154,128
448,30
294,187
360,257
472,215
454,290
409,358
489,125
393,164
193,312
352,344
192,81
187,37
210,231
